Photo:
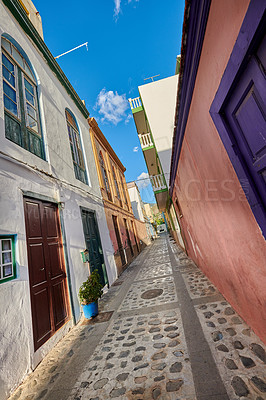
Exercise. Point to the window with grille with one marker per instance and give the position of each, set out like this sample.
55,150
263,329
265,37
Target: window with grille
76,147
116,185
105,176
7,258
22,122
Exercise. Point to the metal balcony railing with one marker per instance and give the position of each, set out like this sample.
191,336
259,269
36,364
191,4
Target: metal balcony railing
135,103
158,182
145,140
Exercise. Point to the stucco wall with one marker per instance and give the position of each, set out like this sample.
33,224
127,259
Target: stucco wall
221,233
54,178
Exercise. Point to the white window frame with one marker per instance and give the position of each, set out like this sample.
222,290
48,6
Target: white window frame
36,108
18,116
13,275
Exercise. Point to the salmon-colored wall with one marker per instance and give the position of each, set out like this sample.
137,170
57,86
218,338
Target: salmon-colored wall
222,235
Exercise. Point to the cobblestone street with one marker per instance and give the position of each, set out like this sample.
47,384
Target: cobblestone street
164,333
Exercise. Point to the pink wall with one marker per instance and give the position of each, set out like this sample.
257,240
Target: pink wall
222,235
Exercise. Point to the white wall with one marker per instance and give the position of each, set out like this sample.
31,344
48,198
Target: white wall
54,178
159,101
135,202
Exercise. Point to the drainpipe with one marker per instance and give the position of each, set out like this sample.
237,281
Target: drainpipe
61,207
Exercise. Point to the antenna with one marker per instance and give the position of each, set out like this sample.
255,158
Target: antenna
75,48
151,77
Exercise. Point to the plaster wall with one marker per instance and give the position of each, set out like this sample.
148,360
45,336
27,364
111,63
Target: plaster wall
53,179
135,202
159,101
220,231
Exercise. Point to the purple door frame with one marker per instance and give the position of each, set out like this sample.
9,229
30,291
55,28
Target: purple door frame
250,35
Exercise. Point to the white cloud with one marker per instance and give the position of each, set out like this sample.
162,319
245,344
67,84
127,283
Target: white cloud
136,149
117,9
128,118
143,180
112,106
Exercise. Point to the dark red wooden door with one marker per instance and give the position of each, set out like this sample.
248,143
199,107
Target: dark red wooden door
48,286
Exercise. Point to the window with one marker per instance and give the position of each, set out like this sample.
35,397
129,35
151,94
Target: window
105,176
124,191
22,124
116,185
7,260
76,148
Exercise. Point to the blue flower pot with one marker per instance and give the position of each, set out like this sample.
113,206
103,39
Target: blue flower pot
90,310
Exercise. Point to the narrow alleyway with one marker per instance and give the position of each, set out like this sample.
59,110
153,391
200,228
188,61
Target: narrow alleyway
164,332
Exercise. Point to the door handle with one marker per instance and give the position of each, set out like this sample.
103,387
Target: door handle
42,269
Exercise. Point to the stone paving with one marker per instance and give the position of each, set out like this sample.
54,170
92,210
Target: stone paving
171,336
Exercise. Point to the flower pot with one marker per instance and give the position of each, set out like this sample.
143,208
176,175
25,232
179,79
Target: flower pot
90,310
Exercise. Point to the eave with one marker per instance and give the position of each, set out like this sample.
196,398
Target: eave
94,126
194,26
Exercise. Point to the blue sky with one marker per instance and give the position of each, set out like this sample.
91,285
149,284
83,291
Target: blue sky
128,40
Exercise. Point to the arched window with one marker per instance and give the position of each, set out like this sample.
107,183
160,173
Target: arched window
116,185
76,148
22,122
105,176
123,189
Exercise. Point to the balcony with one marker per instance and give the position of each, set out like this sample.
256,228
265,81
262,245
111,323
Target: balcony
135,105
146,141
158,183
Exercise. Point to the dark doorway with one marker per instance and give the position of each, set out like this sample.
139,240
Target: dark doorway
118,239
93,244
136,241
128,238
48,283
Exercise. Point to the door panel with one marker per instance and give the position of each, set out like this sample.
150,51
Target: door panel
245,112
42,310
59,305
93,244
37,259
55,260
48,286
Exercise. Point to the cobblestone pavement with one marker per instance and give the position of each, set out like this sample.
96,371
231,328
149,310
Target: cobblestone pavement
170,336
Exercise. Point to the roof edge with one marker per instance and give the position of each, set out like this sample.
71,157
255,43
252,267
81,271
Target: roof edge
20,15
95,127
195,21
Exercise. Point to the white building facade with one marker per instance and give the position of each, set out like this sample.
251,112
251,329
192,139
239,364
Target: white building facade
50,200
154,113
139,209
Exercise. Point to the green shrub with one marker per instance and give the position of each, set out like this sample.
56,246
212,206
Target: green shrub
91,289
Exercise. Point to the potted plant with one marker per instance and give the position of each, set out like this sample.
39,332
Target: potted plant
89,293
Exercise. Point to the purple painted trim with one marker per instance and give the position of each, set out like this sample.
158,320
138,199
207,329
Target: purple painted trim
193,41
249,36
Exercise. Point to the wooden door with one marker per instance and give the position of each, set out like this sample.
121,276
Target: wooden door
128,238
118,239
48,285
245,112
93,244
133,230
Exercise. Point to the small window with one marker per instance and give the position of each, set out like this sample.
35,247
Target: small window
7,260
76,148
